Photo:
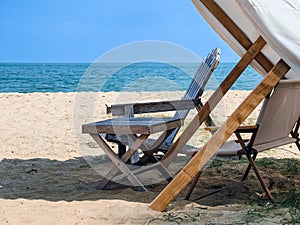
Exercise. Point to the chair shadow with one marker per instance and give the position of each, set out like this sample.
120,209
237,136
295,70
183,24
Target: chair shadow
221,183
54,180
76,180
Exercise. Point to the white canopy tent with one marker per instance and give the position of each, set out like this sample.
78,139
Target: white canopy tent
277,21
265,34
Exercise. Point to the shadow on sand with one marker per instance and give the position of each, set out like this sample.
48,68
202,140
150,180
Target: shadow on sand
75,180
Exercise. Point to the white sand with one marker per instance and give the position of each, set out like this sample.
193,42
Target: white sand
44,178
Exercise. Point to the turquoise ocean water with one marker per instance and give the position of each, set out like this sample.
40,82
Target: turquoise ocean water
149,76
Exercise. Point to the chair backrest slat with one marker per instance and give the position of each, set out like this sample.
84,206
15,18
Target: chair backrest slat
196,88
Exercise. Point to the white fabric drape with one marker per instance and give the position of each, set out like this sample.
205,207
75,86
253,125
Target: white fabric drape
277,21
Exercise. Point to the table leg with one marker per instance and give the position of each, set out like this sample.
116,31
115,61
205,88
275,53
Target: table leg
119,164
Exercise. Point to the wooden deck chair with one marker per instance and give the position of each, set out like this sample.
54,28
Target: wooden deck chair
195,90
138,129
277,125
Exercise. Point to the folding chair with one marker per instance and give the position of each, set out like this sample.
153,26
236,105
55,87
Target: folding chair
137,130
277,125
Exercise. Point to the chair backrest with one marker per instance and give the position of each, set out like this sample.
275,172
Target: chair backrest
279,113
196,88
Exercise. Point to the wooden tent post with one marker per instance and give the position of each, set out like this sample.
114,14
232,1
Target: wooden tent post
220,137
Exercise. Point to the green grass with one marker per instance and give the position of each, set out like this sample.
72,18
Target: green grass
287,208
291,167
176,217
287,199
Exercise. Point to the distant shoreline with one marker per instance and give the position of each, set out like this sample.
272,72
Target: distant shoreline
106,77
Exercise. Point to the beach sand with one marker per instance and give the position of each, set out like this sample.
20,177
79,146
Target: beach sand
46,177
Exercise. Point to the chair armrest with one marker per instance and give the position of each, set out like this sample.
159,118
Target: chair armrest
247,129
241,129
151,107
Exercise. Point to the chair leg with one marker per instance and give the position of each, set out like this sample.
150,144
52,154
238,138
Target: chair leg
264,186
298,145
121,150
249,167
164,172
119,164
253,165
295,133
192,186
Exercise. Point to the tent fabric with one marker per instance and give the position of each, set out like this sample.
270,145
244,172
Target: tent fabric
277,21
280,113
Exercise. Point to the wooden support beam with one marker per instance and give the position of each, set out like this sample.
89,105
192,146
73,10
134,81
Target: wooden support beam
219,138
204,112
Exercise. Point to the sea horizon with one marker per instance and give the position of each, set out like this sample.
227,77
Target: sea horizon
32,77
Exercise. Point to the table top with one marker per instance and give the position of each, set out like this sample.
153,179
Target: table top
132,125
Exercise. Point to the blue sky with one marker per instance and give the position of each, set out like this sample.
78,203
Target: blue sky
83,30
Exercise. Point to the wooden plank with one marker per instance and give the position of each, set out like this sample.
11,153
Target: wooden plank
219,138
129,125
204,112
235,31
152,107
